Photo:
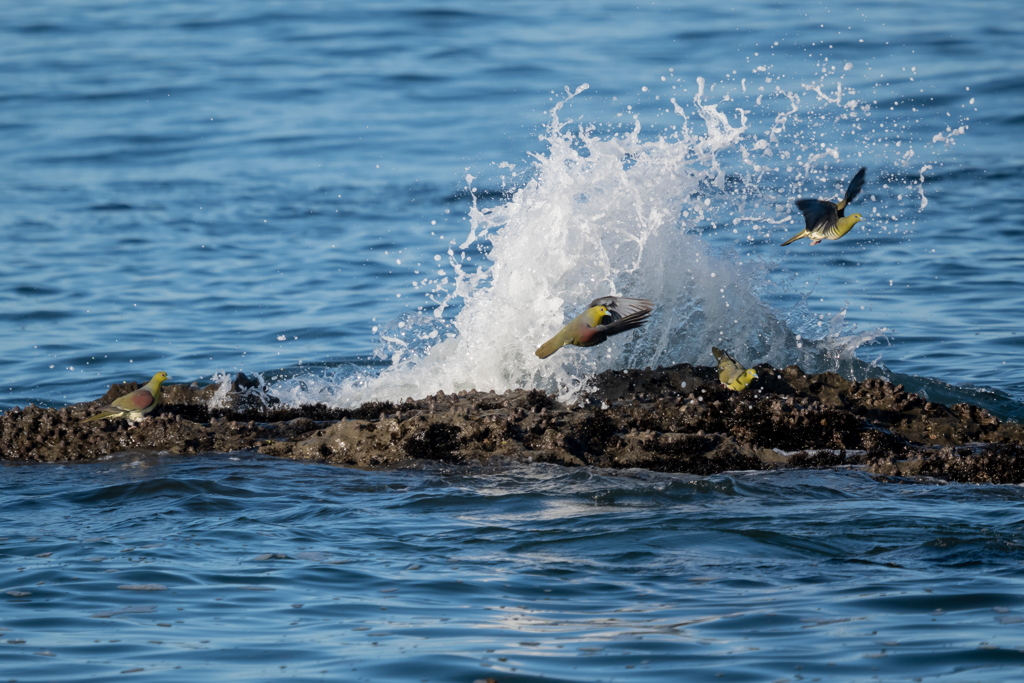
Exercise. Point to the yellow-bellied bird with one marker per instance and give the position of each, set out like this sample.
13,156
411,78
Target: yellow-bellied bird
731,373
825,220
604,317
136,405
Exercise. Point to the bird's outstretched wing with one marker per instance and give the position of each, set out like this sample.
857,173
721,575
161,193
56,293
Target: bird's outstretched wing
856,185
622,307
818,215
623,324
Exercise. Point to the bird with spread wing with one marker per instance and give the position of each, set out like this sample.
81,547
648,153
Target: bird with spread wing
603,318
826,220
731,373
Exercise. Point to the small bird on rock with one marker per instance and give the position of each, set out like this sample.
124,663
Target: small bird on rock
136,405
604,317
731,373
825,220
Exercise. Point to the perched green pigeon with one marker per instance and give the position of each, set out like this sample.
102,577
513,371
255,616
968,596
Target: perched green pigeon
731,373
604,317
136,405
825,220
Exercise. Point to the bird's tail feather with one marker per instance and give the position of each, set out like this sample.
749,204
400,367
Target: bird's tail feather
548,347
794,238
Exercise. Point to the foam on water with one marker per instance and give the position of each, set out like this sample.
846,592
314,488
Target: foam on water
632,214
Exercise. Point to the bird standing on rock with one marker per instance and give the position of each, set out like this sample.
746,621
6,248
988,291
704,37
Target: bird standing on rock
604,317
136,405
825,220
731,373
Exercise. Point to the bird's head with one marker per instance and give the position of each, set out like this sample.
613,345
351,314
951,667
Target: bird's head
159,378
857,218
596,314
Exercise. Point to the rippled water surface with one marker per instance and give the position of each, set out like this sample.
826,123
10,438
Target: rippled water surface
259,568
379,199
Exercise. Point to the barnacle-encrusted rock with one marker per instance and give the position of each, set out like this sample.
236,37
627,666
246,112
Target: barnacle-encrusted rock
676,419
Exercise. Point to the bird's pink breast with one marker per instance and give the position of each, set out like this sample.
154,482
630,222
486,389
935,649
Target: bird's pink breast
141,400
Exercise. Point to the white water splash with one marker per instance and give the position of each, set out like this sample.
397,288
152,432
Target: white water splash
667,216
602,215
949,137
220,396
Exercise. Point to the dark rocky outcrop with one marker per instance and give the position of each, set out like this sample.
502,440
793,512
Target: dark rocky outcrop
676,419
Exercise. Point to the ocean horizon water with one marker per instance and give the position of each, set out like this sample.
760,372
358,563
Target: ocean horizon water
368,201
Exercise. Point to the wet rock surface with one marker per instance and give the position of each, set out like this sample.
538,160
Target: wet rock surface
676,419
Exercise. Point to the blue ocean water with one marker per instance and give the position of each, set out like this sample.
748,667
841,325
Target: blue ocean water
260,569
376,200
